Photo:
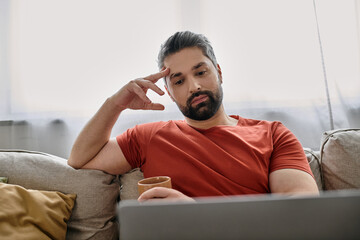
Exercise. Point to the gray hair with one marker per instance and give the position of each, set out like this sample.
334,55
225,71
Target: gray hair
181,40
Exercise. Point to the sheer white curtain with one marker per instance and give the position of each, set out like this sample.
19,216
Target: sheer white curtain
275,67
68,56
339,26
61,59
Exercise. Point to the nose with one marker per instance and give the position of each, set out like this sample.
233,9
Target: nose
194,86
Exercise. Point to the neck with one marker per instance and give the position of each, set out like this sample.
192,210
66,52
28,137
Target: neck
220,118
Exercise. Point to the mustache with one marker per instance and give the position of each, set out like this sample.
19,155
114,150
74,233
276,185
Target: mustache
194,95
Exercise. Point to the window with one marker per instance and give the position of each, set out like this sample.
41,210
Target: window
66,57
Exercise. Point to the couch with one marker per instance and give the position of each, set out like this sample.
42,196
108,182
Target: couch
86,200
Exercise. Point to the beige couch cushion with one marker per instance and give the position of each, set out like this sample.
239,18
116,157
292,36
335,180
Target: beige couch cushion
340,159
33,214
94,213
129,184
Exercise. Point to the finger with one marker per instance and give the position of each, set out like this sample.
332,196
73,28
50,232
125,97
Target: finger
150,85
156,76
156,200
140,92
156,192
154,106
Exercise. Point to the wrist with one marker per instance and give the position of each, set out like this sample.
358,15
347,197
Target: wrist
114,105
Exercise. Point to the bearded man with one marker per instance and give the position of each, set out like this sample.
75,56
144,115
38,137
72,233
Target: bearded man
209,153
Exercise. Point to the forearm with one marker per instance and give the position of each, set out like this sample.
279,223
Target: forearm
97,131
94,135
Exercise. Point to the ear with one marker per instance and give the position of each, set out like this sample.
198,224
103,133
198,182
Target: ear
220,73
169,93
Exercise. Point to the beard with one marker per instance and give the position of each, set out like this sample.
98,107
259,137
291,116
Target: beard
203,110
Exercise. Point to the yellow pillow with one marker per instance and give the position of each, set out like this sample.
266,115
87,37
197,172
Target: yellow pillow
33,214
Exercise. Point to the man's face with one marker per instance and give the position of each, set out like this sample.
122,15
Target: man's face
194,83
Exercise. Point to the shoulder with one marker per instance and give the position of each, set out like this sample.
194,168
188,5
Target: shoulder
274,130
151,128
249,122
154,126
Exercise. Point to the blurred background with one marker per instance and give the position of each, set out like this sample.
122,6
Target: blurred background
294,61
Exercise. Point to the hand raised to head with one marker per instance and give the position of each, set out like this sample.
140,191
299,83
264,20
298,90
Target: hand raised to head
133,94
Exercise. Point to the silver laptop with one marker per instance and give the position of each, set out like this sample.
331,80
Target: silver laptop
332,215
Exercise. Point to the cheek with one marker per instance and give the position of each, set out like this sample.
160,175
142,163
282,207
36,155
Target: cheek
172,94
179,96
216,82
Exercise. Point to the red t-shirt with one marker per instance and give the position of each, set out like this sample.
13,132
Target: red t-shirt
222,160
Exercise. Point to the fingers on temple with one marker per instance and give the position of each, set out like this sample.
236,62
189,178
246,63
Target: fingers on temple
149,85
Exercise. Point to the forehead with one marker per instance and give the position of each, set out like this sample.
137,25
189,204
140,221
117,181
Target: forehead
185,59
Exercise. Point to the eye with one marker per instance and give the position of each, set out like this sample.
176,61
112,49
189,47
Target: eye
201,73
179,82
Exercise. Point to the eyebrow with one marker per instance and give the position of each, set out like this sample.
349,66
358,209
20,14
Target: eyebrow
173,75
198,65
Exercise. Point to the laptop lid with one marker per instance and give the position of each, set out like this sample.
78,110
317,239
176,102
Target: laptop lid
332,215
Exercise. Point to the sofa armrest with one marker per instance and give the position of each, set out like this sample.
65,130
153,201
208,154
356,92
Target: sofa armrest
94,213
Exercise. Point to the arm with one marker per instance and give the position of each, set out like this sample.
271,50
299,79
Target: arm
293,182
93,149
287,159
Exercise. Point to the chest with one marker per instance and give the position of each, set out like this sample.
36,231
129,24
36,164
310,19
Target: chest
223,157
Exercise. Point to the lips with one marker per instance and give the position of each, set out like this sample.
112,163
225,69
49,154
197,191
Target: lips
199,99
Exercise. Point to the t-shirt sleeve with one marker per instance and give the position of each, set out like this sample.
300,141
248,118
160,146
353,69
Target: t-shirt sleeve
287,152
134,141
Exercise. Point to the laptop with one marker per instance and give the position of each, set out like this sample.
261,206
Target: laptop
332,215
